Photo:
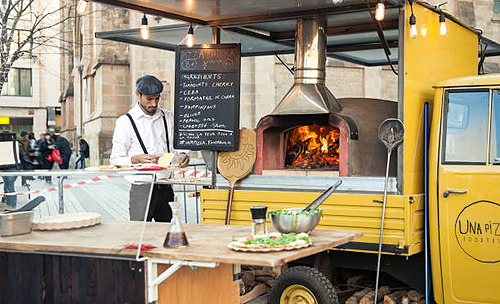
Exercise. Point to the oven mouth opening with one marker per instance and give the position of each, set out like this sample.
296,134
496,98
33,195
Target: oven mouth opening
312,147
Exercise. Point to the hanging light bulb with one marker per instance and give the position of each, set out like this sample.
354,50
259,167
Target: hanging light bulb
190,37
380,10
336,2
442,24
144,27
82,6
413,26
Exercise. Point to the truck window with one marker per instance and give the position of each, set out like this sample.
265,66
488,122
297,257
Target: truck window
495,129
466,127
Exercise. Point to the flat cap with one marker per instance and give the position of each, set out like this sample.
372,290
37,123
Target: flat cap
148,85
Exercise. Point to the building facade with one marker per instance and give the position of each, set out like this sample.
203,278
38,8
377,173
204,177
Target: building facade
30,98
97,80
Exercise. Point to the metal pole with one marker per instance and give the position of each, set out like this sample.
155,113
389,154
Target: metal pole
60,190
382,224
426,203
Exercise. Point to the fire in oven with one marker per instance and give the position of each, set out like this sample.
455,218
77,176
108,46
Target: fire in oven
312,147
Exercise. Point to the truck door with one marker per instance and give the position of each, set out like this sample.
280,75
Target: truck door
469,196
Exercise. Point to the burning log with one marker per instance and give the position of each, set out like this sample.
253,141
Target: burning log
312,147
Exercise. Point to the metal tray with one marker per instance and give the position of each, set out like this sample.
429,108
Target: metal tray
16,223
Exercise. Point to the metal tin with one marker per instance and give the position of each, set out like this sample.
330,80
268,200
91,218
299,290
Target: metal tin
16,223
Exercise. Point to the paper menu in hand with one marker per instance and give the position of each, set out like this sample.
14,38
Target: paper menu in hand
165,159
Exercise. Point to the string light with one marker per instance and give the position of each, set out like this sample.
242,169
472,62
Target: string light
413,22
413,26
442,24
190,37
144,27
380,10
82,6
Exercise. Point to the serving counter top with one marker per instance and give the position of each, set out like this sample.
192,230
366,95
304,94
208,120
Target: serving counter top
207,243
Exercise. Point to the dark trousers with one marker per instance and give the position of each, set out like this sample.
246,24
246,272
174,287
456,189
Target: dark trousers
159,209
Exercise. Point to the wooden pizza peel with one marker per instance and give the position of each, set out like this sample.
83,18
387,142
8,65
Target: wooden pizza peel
235,165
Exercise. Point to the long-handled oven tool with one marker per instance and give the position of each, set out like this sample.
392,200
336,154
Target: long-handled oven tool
235,165
323,196
391,133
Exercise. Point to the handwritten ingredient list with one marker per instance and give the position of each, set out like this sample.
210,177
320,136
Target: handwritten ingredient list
207,97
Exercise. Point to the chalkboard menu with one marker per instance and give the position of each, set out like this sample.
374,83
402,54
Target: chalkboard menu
207,97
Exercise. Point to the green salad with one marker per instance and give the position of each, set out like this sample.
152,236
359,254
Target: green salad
294,212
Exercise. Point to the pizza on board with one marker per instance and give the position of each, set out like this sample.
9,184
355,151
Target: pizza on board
272,242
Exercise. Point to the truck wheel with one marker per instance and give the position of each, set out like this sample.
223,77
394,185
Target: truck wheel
304,285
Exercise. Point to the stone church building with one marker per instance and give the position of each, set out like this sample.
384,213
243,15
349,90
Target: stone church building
97,78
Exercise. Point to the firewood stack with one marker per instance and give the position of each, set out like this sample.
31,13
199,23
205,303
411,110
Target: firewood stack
385,296
255,284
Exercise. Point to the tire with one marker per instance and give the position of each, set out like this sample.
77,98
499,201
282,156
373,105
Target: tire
302,284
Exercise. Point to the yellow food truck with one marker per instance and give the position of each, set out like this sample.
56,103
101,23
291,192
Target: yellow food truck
441,233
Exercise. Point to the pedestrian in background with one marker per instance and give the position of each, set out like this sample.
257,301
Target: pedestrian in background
84,153
9,202
27,155
46,147
64,148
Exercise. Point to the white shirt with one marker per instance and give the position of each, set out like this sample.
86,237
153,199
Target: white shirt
152,131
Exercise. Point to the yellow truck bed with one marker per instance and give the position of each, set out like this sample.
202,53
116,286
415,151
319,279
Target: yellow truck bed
403,231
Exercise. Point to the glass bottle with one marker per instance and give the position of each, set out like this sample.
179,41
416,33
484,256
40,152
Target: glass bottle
176,237
259,227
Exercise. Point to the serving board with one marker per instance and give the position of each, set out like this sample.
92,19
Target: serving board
67,221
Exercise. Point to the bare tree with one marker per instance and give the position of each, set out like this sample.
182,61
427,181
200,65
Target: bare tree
24,26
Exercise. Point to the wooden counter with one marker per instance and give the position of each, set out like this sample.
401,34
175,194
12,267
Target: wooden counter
207,243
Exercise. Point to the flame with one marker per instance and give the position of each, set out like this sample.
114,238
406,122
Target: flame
324,146
313,147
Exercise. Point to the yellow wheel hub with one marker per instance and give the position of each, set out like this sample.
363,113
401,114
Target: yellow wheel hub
297,294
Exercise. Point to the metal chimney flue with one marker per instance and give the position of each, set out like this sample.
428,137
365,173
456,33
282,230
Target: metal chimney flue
309,95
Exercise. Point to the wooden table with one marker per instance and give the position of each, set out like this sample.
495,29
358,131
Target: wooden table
211,283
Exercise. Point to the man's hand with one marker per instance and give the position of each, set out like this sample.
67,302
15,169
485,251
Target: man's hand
183,160
144,159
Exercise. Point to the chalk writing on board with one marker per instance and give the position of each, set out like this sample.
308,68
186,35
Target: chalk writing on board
207,97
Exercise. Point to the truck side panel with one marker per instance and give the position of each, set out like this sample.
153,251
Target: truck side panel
429,59
403,229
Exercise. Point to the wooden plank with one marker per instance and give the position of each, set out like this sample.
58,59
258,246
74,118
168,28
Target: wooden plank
79,278
52,269
4,296
203,285
208,243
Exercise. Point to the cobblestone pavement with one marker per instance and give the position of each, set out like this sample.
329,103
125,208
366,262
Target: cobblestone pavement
108,197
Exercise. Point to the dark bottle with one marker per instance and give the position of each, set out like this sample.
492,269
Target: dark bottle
176,237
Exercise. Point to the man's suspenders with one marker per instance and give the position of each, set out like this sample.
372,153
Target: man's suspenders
139,136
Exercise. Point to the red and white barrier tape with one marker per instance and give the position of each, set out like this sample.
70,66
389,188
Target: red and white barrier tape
52,189
192,173
180,174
